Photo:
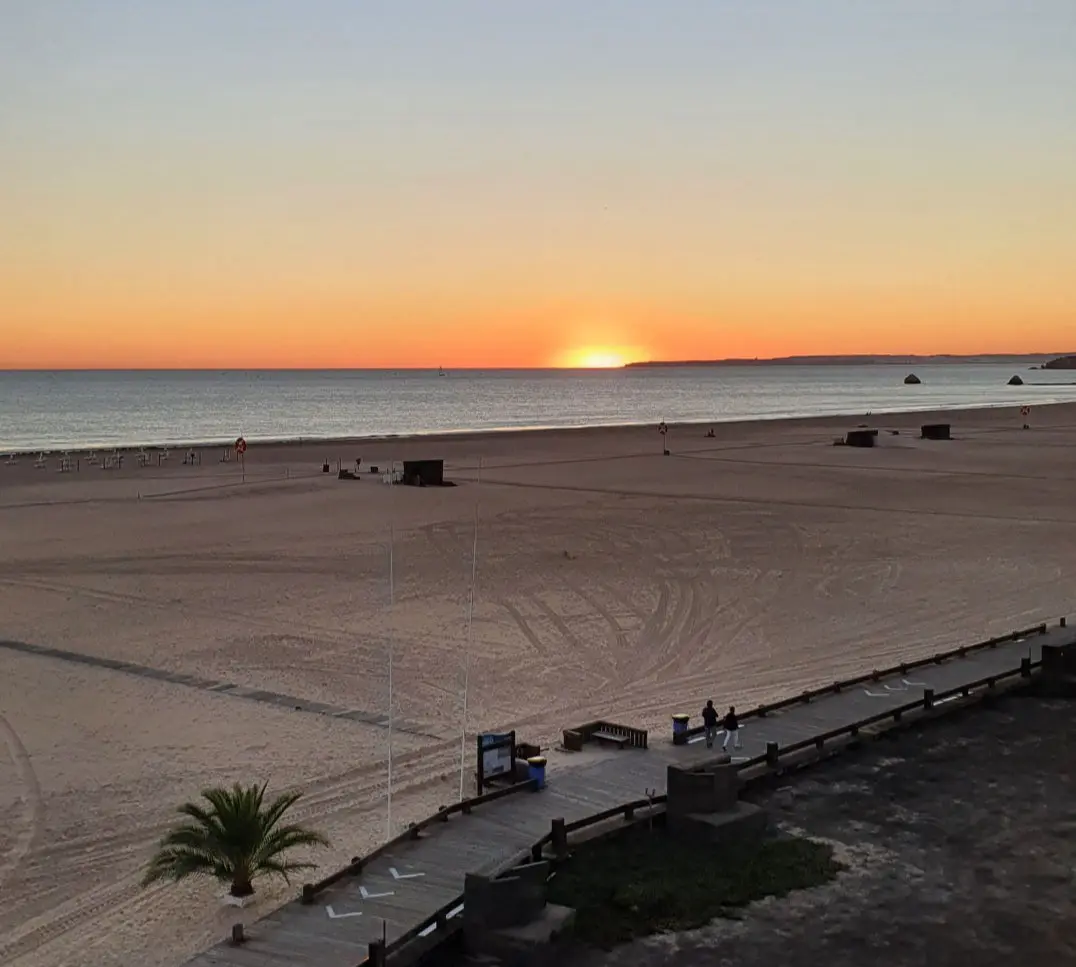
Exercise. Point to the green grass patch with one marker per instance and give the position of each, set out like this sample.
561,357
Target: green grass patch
644,881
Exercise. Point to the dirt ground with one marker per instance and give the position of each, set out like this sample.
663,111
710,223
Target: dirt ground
960,842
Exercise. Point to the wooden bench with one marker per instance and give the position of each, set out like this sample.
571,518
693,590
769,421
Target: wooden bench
620,741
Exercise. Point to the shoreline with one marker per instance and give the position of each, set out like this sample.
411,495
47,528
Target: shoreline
466,435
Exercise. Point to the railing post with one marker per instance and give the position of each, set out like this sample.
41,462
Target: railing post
536,853
1025,667
376,956
560,838
308,894
1063,622
772,753
928,698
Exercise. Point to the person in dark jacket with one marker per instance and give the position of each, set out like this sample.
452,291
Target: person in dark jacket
732,730
709,721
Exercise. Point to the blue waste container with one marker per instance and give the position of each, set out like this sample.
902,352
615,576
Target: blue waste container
536,770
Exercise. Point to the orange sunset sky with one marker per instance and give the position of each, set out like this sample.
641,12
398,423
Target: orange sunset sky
483,184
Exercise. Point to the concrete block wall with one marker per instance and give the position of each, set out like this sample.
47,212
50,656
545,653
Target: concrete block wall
713,789
493,904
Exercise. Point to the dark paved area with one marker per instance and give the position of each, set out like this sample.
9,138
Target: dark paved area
960,841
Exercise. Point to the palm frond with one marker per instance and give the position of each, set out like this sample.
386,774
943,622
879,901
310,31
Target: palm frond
234,839
280,806
283,869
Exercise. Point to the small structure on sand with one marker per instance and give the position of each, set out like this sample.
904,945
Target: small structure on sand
912,380
936,431
425,473
860,438
1016,381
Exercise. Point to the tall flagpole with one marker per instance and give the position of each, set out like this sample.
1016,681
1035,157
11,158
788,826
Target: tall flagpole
467,648
392,601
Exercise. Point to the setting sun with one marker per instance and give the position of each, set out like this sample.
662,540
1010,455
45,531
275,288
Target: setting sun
599,357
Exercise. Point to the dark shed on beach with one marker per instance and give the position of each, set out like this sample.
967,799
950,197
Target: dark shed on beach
424,473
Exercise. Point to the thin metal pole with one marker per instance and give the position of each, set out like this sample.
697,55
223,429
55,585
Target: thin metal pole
392,602
467,647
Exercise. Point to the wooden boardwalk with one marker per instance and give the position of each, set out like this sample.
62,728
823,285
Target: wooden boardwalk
408,884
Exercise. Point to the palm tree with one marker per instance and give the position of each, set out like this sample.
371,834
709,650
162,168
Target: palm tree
233,841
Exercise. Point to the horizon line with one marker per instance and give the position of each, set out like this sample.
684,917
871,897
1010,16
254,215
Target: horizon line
628,365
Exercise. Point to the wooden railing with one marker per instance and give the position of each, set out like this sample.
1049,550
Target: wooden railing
311,890
930,700
902,668
437,923
761,766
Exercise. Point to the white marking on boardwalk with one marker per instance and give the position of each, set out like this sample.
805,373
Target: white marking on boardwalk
897,688
867,691
454,912
367,895
397,875
333,915
915,684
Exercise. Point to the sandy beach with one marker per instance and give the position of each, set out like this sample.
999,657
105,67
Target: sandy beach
611,581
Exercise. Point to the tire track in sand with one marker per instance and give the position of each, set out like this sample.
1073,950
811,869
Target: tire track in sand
33,808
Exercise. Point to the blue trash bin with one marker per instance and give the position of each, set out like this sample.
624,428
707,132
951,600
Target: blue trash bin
536,770
680,725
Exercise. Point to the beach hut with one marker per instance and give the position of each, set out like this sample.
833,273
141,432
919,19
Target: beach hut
424,473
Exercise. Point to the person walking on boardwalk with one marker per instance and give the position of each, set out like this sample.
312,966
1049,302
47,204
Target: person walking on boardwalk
709,721
732,730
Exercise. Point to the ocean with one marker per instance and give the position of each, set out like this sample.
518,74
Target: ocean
66,410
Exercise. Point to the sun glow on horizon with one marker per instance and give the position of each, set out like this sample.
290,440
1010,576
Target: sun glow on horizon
599,357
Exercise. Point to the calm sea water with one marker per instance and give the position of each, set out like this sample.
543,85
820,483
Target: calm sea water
58,410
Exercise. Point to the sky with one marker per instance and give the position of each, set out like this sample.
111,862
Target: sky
268,183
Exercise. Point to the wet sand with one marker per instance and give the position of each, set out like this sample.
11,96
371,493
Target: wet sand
611,581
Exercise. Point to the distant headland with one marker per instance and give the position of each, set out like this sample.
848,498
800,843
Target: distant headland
1060,361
